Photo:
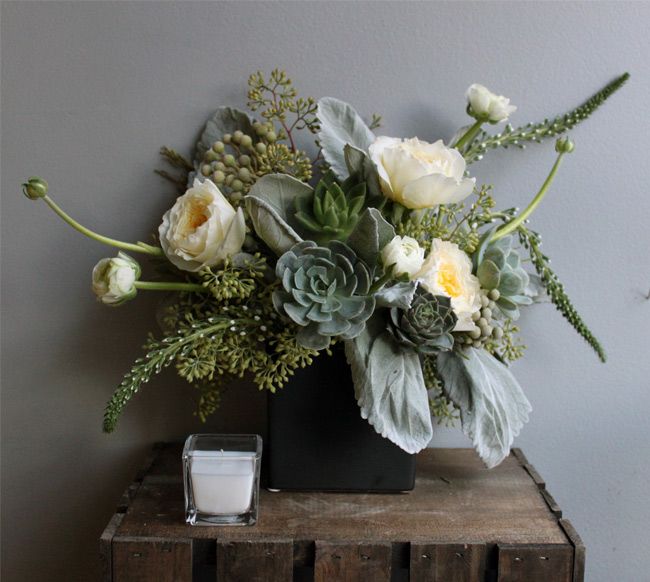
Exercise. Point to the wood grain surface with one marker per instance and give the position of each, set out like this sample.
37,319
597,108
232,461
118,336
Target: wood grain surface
461,523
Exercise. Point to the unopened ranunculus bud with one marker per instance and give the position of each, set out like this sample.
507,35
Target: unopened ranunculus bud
564,145
484,105
114,279
35,188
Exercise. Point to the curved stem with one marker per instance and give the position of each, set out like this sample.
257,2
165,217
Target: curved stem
515,222
139,247
469,135
169,286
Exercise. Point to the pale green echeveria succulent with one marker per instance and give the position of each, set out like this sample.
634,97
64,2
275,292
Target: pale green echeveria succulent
426,326
500,269
333,211
325,290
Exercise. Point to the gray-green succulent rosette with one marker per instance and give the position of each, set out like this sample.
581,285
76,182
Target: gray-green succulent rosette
325,291
277,248
426,326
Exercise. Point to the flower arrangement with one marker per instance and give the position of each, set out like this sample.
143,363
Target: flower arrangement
384,246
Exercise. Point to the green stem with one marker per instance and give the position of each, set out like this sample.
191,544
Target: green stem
515,222
168,286
469,135
379,283
139,247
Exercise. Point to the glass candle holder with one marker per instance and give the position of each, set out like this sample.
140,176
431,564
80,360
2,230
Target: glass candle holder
222,479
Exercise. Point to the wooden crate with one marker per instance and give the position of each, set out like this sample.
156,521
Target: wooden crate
462,523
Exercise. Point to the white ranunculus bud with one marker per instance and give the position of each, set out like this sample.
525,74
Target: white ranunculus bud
448,271
202,229
405,254
418,174
484,105
114,279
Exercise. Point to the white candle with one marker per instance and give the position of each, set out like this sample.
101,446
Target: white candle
222,481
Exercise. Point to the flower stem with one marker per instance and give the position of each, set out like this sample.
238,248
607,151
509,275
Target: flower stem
139,247
169,286
469,135
515,222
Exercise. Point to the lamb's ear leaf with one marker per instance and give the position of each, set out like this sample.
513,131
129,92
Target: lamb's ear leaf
493,407
271,205
224,120
389,387
399,295
276,197
340,124
270,226
361,167
371,234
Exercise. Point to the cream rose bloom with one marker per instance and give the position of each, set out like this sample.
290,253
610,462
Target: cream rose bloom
418,174
202,229
486,106
448,271
114,279
405,253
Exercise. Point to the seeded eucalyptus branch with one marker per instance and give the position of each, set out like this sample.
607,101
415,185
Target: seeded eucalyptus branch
555,289
536,132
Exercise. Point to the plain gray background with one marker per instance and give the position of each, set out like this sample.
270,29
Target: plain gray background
90,91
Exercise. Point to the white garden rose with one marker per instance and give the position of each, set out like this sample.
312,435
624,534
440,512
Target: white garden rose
405,253
486,106
418,174
202,229
114,279
448,271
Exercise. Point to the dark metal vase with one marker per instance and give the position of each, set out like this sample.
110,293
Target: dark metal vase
318,441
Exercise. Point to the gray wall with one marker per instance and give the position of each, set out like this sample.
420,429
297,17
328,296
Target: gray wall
90,91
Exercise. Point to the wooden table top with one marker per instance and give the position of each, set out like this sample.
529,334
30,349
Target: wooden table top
455,500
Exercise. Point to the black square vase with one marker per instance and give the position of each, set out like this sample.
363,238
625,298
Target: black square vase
317,440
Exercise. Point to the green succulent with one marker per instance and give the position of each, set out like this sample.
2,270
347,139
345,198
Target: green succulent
325,290
426,326
333,211
500,269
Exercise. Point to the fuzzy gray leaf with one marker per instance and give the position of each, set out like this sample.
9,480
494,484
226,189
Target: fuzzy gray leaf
389,387
360,165
340,124
224,120
281,191
270,226
270,204
371,234
492,405
399,295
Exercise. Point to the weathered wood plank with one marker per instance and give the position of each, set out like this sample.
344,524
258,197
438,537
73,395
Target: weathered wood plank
503,522
552,504
128,496
349,562
519,454
541,563
106,547
535,476
456,499
162,560
254,561
447,562
579,553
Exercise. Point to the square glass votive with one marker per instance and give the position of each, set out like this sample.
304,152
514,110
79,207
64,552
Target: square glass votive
222,479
